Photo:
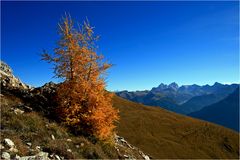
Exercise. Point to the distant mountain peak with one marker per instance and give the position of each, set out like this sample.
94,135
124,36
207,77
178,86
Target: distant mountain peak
162,86
217,84
173,85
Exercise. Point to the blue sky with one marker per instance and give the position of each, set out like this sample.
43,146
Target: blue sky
148,42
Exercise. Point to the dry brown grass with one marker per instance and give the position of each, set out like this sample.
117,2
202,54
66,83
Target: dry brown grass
157,132
165,134
35,128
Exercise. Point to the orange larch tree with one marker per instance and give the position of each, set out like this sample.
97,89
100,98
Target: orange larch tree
82,99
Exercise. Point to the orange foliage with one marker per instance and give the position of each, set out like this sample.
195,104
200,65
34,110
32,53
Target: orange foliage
82,98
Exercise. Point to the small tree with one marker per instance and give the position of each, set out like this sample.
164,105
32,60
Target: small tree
82,99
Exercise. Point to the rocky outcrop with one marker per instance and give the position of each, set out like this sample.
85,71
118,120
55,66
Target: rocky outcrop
8,79
11,153
127,151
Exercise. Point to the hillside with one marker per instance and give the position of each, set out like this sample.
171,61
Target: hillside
30,129
198,102
225,112
164,134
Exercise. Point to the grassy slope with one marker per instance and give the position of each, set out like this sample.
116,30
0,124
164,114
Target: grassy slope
33,127
164,134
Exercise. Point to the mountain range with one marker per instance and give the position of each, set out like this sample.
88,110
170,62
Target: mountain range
180,99
218,103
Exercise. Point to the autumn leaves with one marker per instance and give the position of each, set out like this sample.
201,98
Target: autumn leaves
83,102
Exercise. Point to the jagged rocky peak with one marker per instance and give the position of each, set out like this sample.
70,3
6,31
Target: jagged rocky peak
5,68
8,79
173,85
162,86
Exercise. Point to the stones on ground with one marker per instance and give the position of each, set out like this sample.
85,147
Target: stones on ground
129,145
52,136
146,157
69,140
26,158
57,157
122,143
38,148
9,142
81,144
39,156
17,157
29,144
125,156
15,150
77,146
69,150
18,111
24,108
43,155
1,146
5,155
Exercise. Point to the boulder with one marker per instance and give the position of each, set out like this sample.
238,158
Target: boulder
9,142
69,140
53,138
5,155
18,111
29,144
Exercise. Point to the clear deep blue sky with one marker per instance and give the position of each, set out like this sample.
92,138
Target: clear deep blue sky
149,42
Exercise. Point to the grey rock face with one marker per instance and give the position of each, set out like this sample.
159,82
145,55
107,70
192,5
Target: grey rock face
8,79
